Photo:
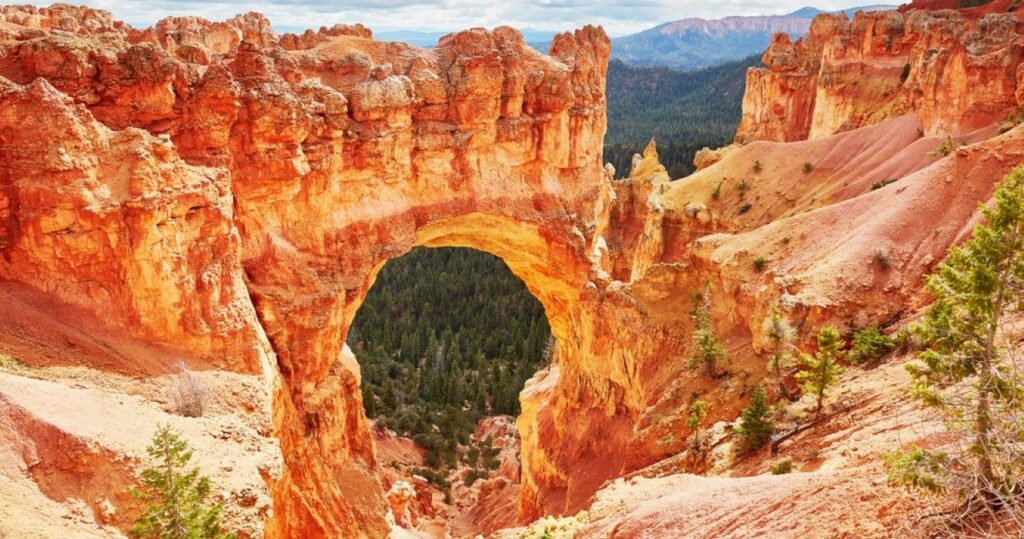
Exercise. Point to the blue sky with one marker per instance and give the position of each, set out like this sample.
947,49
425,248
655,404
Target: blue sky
618,17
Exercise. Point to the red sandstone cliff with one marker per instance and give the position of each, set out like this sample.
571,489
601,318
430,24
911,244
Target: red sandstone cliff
956,68
210,191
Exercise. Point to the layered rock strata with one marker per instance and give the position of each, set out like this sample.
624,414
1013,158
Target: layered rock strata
227,196
215,193
957,69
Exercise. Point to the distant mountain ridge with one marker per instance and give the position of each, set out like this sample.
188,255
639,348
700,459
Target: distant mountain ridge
695,43
810,12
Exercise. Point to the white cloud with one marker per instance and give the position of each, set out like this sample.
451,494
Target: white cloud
617,17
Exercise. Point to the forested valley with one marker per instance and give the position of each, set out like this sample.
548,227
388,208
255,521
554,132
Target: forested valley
682,111
446,337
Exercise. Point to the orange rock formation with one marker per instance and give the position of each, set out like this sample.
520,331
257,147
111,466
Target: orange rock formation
214,192
210,191
956,69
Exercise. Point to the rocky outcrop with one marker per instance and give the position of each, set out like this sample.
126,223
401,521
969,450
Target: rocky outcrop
210,192
399,497
705,157
310,39
226,197
957,69
148,238
30,21
197,40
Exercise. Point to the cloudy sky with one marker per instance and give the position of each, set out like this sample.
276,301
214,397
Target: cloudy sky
618,17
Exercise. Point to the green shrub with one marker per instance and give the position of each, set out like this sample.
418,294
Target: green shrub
434,477
760,263
783,467
473,475
945,148
175,497
698,411
745,207
916,468
489,455
808,167
755,426
781,332
708,352
1013,119
822,369
870,344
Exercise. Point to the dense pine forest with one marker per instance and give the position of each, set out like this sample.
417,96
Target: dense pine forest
682,111
444,338
448,336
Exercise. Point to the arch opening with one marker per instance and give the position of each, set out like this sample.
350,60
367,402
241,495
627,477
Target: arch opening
446,338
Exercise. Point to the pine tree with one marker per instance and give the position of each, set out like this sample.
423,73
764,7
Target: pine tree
823,368
756,421
390,398
870,344
968,372
708,351
369,402
698,411
781,333
175,498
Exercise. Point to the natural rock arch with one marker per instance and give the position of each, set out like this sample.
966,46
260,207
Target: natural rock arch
248,232
214,192
308,327
499,168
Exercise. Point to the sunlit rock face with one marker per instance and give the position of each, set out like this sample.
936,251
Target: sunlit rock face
230,195
955,68
214,192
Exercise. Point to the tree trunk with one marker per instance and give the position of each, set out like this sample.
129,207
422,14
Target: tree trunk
983,417
983,424
778,375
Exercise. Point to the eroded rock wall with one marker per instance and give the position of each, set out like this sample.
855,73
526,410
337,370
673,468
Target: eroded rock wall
213,192
955,68
231,195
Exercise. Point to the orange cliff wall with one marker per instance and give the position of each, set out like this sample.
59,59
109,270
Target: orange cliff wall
956,68
231,194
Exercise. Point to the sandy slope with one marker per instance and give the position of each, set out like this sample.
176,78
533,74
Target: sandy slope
77,437
838,488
